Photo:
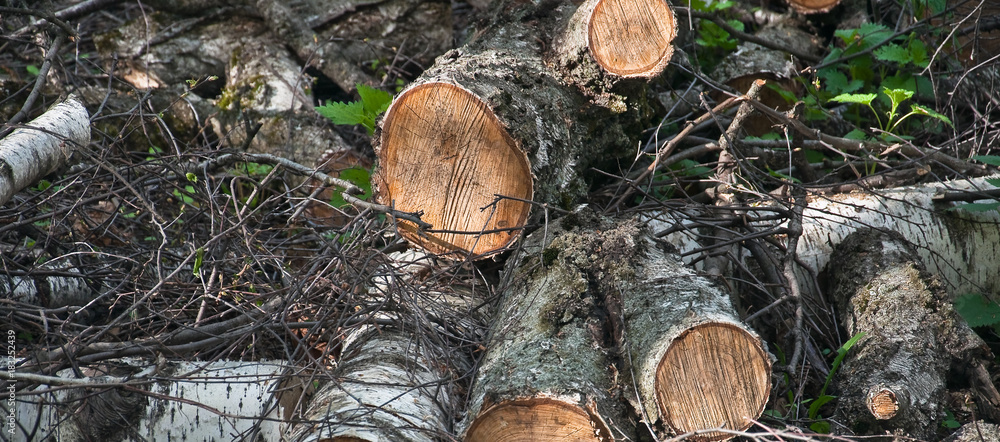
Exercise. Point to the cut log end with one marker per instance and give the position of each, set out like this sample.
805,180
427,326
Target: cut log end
537,419
882,403
632,38
813,6
715,375
444,153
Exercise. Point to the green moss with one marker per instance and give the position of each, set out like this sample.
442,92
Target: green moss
549,256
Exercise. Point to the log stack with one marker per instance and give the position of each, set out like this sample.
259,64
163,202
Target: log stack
517,115
589,307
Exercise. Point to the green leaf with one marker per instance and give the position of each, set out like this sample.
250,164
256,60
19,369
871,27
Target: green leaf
918,53
819,403
374,101
995,182
820,427
865,99
198,260
897,95
893,53
32,69
856,134
977,207
361,177
992,160
841,353
918,109
343,113
873,34
191,177
977,310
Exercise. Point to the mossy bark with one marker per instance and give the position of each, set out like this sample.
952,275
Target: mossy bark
894,379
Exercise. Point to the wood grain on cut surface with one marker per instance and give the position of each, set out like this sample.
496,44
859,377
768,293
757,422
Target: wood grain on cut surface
714,375
632,37
445,153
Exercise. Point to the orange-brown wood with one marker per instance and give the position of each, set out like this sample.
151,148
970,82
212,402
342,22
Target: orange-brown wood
536,419
632,38
444,153
714,375
813,6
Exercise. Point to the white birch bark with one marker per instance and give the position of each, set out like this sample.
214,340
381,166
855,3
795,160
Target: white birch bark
40,148
193,401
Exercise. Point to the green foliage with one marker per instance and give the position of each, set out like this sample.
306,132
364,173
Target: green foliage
896,97
873,68
32,69
950,422
978,310
358,176
714,40
364,112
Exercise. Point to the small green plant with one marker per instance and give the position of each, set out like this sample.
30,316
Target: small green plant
896,97
364,112
822,425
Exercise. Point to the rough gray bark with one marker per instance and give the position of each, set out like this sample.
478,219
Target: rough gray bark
44,145
549,366
611,309
894,378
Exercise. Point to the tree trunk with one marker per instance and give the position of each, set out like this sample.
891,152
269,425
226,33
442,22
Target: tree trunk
131,399
518,114
894,379
30,153
596,294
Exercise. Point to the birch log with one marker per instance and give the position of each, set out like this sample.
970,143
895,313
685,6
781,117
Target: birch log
894,378
697,365
29,153
961,247
586,293
397,381
517,114
133,399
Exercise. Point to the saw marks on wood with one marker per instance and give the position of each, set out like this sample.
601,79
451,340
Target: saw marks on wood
714,375
537,419
445,153
632,38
